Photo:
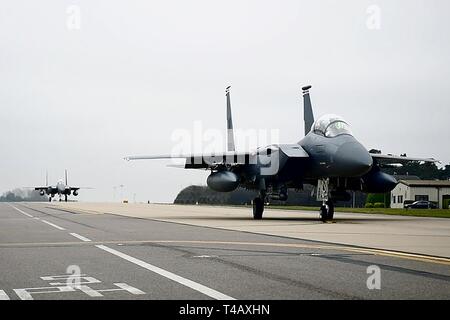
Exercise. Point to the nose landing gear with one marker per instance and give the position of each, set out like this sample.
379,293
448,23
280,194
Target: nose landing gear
323,192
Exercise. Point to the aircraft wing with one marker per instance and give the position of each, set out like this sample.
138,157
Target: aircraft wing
389,158
199,161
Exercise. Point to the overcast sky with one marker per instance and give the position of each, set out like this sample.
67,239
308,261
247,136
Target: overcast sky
83,91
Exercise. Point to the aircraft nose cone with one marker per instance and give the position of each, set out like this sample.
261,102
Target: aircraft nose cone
352,159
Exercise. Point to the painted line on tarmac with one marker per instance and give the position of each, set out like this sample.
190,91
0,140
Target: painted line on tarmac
3,295
397,254
52,224
373,251
76,235
169,275
36,218
23,212
128,288
350,248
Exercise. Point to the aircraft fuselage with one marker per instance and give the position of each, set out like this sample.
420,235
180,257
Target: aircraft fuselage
341,156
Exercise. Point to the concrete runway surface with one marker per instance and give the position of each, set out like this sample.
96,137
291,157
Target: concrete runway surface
140,251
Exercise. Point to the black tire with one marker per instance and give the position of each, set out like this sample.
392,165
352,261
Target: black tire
330,209
327,211
65,198
323,213
49,199
258,208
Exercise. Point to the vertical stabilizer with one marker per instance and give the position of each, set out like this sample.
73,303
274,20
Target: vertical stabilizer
230,131
308,115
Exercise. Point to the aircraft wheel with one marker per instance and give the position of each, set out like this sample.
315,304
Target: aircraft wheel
330,209
258,208
323,213
327,211
49,199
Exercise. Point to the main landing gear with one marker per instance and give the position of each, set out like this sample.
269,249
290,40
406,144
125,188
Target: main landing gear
258,208
327,211
258,202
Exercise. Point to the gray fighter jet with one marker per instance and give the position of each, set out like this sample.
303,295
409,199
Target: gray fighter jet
61,189
329,157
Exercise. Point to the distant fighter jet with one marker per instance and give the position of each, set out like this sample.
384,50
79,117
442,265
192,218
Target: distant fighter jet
329,157
60,188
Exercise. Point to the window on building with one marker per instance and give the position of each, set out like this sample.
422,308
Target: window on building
421,197
400,199
393,199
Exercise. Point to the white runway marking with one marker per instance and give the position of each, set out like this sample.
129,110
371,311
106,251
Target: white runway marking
25,294
90,292
52,224
23,212
3,295
167,274
76,235
128,288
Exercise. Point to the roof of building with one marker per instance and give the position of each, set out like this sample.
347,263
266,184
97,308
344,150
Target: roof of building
426,183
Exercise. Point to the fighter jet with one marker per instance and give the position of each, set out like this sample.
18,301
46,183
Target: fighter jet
329,157
60,188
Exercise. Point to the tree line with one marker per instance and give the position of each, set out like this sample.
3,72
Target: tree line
19,195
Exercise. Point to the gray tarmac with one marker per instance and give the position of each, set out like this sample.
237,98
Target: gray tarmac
67,252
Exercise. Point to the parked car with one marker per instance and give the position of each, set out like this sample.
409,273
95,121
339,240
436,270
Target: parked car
422,204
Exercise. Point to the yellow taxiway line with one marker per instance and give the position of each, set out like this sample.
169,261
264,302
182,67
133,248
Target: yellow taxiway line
373,251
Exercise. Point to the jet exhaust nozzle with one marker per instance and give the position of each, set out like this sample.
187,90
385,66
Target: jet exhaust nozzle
223,181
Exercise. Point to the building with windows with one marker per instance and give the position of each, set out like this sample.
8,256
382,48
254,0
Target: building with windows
437,191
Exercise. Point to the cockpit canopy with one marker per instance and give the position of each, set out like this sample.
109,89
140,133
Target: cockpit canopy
331,125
